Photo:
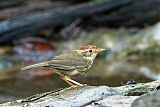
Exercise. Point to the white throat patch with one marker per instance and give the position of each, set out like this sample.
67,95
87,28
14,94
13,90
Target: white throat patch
92,57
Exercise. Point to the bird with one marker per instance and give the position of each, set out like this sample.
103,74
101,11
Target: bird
71,63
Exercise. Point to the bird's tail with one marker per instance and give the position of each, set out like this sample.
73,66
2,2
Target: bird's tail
42,64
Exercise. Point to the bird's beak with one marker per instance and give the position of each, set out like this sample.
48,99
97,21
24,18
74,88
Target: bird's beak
99,50
102,49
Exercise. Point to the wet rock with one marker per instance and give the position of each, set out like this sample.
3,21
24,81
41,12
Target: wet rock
85,96
151,99
114,101
66,98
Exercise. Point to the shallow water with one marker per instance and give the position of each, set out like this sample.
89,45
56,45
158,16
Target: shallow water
17,87
134,56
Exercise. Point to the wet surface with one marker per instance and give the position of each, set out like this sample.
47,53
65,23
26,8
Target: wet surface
134,57
151,99
24,84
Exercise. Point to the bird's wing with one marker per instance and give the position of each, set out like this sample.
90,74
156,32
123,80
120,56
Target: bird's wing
67,61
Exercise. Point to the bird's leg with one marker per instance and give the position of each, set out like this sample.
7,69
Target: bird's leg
63,77
74,82
70,81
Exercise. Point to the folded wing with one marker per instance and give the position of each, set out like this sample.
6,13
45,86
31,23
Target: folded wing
67,61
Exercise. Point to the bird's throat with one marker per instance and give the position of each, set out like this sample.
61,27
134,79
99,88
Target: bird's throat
91,58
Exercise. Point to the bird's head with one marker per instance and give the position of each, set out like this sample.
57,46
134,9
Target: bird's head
90,51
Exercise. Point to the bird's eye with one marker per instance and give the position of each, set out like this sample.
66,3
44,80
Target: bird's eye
90,51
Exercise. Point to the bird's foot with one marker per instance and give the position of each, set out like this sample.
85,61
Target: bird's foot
75,86
79,85
72,82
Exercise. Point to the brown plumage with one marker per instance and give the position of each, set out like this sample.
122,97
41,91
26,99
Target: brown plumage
71,63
